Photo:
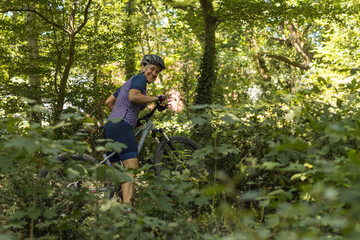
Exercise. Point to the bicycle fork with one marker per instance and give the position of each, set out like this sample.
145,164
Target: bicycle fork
171,145
162,133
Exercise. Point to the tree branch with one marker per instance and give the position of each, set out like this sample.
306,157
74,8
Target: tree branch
86,13
40,15
298,42
181,6
288,61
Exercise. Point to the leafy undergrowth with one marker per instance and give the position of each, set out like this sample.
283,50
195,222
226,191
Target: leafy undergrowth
274,171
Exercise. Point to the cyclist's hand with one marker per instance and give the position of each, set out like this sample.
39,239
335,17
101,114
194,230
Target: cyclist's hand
161,103
161,98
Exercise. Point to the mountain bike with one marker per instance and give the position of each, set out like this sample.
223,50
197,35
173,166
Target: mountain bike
74,174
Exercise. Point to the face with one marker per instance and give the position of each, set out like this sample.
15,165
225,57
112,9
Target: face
151,72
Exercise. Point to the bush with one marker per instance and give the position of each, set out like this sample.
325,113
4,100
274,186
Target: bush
276,171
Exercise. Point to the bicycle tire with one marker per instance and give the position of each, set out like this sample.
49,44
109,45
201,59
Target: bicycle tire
62,180
64,183
63,158
174,154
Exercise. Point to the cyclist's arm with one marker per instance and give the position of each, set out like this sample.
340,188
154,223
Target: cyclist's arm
135,96
110,102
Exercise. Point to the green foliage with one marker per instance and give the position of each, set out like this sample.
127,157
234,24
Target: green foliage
274,170
294,163
281,164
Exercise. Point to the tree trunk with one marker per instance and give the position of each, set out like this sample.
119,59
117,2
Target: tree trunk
33,66
64,78
72,34
207,79
129,47
259,61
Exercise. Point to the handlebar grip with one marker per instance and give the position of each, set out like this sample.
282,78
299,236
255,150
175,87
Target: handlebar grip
161,98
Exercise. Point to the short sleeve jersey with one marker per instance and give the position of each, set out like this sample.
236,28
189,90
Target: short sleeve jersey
123,108
116,93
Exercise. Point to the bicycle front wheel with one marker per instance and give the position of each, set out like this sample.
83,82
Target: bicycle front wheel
175,154
63,182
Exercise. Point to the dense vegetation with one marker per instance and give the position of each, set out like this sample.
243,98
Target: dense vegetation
269,88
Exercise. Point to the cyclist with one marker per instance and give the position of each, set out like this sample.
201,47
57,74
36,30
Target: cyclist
125,106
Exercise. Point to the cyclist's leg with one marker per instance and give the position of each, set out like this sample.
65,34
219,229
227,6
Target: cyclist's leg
124,133
128,187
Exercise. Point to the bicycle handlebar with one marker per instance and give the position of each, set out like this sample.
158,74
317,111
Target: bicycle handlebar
149,115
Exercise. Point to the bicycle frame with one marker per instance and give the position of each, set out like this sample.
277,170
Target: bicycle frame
144,131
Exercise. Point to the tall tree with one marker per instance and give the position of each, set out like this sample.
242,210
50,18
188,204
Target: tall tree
72,28
207,79
33,62
130,41
72,31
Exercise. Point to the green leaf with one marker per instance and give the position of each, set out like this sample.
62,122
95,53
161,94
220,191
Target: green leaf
203,152
39,108
73,173
301,176
230,118
116,120
119,176
5,164
6,237
153,222
164,203
199,121
60,125
115,146
214,189
354,156
33,212
226,149
336,131
27,100
292,144
22,143
49,213
202,200
184,198
273,220
16,225
271,165
75,116
276,192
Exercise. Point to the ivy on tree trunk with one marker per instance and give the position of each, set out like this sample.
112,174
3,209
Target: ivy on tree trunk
207,79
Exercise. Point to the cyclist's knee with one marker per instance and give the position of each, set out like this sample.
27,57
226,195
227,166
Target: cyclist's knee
131,163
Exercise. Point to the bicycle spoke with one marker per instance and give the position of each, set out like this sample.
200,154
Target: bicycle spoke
175,155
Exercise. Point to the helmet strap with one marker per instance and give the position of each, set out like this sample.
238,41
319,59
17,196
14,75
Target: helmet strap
146,67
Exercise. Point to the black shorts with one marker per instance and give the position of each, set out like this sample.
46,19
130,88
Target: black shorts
122,132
